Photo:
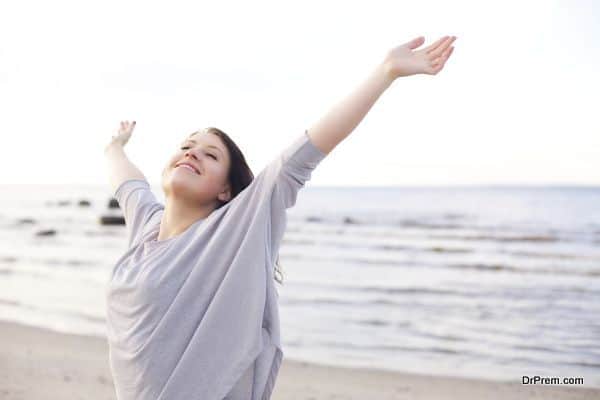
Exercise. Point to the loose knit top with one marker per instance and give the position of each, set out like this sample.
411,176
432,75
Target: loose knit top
196,316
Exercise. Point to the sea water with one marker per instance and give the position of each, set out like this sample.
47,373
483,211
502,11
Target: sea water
491,282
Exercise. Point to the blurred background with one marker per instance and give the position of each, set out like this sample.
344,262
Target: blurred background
456,231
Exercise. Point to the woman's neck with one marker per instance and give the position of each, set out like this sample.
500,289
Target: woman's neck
178,216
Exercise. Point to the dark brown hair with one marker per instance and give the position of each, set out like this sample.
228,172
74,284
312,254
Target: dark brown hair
239,176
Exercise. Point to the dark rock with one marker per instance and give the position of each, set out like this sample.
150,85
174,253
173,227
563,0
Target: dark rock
113,203
46,232
84,203
348,220
112,220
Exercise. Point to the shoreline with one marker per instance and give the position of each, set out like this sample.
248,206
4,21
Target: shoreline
35,362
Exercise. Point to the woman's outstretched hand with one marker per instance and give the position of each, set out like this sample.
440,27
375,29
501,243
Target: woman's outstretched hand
406,60
124,133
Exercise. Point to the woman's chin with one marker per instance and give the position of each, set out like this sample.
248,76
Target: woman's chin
181,182
181,176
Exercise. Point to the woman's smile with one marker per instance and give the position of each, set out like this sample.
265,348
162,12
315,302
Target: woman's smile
188,168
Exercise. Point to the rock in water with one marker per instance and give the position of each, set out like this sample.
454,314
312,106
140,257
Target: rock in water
46,232
112,220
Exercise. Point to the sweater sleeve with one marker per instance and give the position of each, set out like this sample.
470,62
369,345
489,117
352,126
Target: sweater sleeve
138,204
294,168
296,164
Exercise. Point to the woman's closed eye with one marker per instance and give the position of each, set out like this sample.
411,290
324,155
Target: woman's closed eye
211,155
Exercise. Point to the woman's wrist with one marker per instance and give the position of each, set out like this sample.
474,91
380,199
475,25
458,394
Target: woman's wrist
113,146
386,72
383,76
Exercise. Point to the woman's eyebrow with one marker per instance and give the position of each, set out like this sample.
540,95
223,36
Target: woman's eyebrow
210,145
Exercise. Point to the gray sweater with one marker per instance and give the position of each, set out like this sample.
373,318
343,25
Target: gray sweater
196,316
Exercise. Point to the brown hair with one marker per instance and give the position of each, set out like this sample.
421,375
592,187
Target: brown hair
239,176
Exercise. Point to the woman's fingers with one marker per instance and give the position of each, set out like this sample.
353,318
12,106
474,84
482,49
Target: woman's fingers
441,48
127,126
435,44
440,63
444,57
448,52
124,133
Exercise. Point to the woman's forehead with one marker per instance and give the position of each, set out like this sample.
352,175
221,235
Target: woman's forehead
207,138
201,133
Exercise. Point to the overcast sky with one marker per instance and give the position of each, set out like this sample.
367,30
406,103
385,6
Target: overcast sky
517,103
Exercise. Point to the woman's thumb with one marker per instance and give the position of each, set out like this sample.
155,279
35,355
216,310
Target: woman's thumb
416,42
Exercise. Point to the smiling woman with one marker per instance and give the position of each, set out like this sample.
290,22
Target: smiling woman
192,196
212,281
191,306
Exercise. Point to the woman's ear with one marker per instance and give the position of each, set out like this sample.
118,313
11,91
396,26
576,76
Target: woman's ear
225,195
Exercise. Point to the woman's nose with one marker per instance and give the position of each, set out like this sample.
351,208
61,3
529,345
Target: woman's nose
189,153
193,153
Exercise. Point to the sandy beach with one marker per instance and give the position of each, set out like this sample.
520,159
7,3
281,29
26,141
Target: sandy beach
42,364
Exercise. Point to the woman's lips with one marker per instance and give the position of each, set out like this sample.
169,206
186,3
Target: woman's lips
188,167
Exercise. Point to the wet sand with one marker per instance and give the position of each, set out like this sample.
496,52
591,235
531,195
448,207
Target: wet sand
42,364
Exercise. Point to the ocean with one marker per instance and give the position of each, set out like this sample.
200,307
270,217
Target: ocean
474,281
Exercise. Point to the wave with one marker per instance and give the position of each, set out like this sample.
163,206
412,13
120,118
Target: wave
384,247
526,270
389,347
369,322
559,256
503,239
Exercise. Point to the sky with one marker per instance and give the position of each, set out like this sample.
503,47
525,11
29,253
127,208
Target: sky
516,102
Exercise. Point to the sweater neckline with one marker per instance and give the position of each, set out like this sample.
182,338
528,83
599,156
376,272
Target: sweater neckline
154,236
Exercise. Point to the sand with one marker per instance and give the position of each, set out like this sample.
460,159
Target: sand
42,364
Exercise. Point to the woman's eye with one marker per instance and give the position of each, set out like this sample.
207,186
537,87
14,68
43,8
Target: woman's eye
187,147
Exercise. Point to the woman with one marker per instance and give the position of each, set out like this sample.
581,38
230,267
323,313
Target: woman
191,305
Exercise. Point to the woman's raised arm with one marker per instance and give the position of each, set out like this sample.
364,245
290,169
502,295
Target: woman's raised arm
120,169
403,60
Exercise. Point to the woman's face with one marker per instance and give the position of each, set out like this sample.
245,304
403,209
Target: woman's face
207,180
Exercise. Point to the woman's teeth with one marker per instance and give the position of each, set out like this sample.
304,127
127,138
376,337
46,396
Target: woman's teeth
188,167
